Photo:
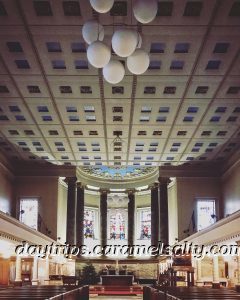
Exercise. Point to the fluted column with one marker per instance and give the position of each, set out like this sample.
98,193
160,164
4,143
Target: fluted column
131,217
238,267
35,271
18,277
46,269
71,210
215,270
57,269
163,209
199,271
103,217
80,215
154,214
237,287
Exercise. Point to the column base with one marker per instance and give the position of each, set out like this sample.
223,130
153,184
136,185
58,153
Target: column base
34,282
237,288
199,283
216,285
46,282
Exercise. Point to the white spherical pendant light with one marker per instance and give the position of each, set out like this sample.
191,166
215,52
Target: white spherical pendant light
98,54
124,42
102,6
113,72
145,10
138,62
92,31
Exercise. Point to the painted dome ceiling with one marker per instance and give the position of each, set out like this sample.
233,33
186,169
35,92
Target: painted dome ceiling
118,173
112,176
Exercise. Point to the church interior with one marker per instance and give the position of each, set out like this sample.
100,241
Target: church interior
120,129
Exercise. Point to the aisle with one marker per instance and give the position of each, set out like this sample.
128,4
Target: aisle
116,297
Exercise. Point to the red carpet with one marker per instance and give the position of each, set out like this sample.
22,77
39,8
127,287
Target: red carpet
113,290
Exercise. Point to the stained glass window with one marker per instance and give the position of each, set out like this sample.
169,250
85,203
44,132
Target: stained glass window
89,222
206,213
145,224
117,225
29,212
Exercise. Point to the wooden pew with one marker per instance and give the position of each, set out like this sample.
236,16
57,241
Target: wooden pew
201,293
192,293
46,292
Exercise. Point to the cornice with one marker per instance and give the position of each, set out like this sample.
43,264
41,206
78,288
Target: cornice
30,169
9,237
191,170
24,168
232,163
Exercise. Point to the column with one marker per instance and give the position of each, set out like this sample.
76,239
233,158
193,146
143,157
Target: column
103,217
237,287
199,272
71,210
154,214
61,269
188,279
192,278
131,217
216,283
238,270
57,270
35,271
238,258
46,269
80,215
163,209
18,277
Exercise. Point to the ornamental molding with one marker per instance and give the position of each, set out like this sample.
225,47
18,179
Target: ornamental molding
8,237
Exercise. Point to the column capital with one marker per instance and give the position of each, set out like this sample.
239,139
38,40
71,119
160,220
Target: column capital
104,191
131,191
70,180
80,185
164,180
154,186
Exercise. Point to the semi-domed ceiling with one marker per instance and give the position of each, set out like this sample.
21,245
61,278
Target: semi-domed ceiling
118,173
104,176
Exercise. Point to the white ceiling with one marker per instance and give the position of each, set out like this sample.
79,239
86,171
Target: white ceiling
202,33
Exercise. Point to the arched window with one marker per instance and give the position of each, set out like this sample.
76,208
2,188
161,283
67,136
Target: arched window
145,223
89,223
29,212
206,213
117,225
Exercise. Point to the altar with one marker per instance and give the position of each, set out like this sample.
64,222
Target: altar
117,280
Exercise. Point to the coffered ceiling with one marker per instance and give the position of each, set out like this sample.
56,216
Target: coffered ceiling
54,106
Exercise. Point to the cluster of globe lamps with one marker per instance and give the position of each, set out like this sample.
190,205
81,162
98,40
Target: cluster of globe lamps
126,42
